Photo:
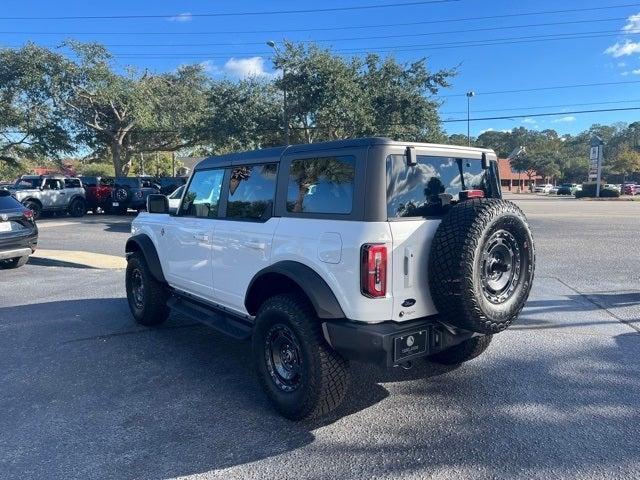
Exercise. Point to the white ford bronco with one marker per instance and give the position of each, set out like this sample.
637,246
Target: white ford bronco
369,250
50,193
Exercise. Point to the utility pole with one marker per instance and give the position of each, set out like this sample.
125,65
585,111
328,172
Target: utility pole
173,164
285,115
469,95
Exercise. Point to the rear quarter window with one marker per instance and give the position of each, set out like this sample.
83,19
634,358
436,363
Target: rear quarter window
321,185
431,186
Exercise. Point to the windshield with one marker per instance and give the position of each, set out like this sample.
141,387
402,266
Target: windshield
431,186
24,183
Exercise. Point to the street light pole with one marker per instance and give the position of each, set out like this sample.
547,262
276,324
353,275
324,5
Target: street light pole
469,95
285,116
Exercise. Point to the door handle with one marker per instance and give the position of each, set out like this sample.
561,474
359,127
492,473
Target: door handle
62,193
201,237
256,245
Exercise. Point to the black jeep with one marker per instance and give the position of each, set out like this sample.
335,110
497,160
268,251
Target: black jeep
131,192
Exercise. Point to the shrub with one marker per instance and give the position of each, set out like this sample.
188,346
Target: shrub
589,191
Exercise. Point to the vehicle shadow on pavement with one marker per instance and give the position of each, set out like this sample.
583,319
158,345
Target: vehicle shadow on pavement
87,393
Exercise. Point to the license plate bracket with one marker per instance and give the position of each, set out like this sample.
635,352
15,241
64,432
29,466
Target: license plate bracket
409,345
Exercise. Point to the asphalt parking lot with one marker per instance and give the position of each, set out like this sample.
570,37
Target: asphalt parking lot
88,394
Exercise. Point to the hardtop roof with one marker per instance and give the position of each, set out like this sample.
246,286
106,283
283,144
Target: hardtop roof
274,154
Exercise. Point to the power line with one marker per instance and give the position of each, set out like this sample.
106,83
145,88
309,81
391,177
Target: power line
548,114
236,14
380,49
538,89
541,106
377,37
393,124
334,28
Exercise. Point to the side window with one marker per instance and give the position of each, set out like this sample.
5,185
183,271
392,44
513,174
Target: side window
203,195
321,185
71,183
52,184
251,191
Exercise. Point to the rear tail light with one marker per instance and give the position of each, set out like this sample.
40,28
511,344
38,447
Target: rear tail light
373,270
467,194
28,214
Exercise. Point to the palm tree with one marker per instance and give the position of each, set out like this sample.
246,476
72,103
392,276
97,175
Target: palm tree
308,172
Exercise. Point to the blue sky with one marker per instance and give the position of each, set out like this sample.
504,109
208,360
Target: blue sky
606,48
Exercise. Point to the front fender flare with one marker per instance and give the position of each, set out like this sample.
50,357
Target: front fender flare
142,242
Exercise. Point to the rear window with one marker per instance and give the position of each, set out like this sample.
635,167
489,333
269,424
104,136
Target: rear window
7,202
71,183
251,192
131,182
321,185
430,187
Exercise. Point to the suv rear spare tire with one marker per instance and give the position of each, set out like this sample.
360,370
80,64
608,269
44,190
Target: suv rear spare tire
481,265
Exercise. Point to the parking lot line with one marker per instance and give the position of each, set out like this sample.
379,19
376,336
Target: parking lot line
81,259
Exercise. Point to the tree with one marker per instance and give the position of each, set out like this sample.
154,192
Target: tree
627,161
330,97
134,112
31,125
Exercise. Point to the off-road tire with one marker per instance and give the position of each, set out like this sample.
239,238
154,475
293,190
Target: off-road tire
324,374
463,352
77,207
153,309
35,207
458,265
13,262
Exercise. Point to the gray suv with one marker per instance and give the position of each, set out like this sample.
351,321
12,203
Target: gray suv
50,193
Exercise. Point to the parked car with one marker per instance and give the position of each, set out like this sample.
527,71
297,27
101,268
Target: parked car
613,186
97,192
50,193
569,188
131,192
543,188
630,189
174,199
330,265
554,190
18,232
169,184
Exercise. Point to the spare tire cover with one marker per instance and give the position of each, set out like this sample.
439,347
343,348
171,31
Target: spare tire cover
481,265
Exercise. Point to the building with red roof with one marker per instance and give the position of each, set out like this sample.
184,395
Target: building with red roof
512,180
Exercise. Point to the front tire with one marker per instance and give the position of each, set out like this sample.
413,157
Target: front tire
14,262
146,296
463,352
300,373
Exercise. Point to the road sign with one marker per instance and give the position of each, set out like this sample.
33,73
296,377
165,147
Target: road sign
595,162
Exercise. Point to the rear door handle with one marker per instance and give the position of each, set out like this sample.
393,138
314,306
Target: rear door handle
256,245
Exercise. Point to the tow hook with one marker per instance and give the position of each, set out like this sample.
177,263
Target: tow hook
407,365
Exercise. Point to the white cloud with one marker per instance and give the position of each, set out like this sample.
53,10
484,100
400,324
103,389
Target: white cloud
636,71
622,64
181,17
530,121
625,73
209,67
568,119
623,49
633,24
246,67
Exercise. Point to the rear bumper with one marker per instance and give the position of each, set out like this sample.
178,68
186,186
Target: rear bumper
13,247
379,342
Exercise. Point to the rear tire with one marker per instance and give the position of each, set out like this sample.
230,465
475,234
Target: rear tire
463,352
300,373
147,297
77,207
14,262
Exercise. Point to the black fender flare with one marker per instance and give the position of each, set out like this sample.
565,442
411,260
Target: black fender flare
141,242
76,196
310,282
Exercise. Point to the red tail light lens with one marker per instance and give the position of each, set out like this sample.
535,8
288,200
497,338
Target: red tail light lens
28,214
373,270
467,194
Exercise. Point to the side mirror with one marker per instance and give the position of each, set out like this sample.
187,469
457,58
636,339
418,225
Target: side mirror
157,203
484,162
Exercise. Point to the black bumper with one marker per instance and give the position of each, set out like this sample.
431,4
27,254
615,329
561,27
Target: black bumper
16,242
387,343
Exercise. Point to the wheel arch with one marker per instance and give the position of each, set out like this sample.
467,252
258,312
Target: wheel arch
142,243
32,199
287,276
